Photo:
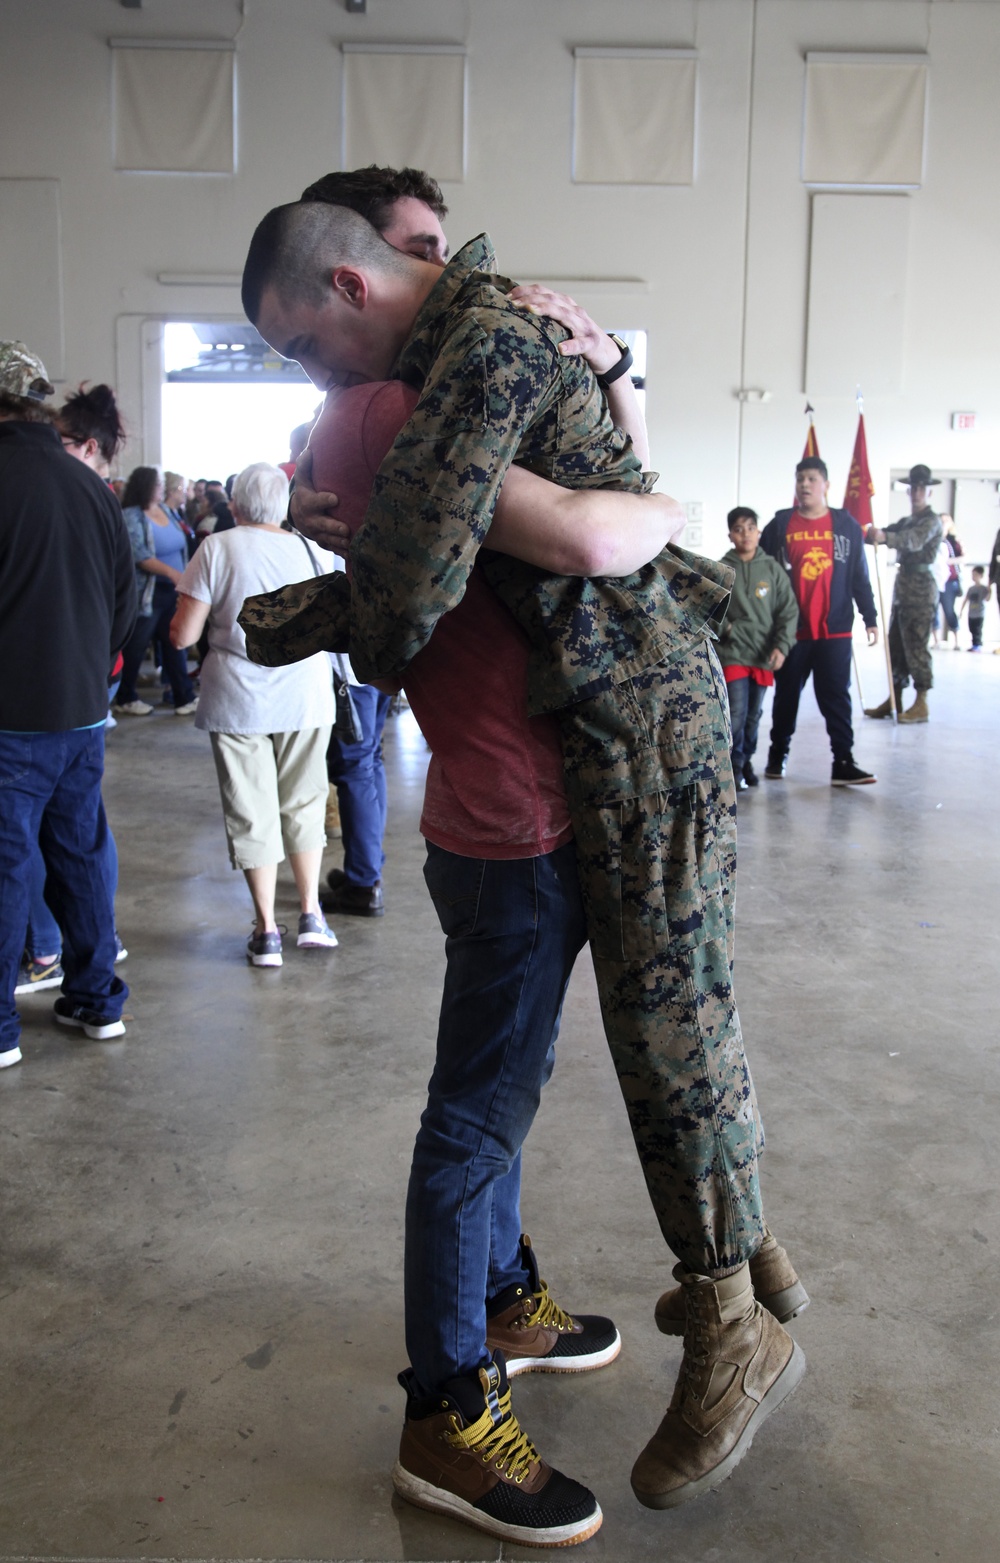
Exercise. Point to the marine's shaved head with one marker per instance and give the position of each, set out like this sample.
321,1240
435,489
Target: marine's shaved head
296,247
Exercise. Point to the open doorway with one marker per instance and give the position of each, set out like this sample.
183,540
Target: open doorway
228,399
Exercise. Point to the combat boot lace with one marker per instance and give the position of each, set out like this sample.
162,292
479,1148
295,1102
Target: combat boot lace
739,1365
775,1283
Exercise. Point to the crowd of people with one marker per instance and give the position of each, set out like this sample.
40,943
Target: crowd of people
588,744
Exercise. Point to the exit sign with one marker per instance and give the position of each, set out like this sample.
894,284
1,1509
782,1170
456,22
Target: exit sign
963,420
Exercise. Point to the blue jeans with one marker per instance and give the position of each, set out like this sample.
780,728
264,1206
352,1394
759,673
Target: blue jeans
358,772
44,936
514,929
50,794
746,701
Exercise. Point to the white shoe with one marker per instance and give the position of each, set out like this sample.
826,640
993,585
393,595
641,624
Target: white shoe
134,708
10,1055
187,710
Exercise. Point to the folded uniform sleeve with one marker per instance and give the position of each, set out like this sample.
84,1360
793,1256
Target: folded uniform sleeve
298,620
433,498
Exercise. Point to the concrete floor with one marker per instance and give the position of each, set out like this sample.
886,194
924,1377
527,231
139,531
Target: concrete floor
201,1222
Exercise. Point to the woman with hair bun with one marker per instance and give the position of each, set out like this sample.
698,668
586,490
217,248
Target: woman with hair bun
91,428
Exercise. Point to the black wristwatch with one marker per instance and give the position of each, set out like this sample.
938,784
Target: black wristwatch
623,365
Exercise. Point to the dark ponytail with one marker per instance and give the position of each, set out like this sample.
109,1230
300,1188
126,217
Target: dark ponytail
93,415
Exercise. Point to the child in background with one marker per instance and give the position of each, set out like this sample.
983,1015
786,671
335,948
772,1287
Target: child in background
756,638
975,601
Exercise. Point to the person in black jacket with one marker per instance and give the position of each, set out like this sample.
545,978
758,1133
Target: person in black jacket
67,604
824,554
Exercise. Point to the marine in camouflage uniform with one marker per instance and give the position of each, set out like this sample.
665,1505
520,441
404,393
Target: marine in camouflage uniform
916,540
629,668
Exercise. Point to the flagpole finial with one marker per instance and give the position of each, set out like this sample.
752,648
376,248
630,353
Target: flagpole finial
859,399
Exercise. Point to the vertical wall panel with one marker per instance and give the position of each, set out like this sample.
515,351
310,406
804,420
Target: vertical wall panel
31,291
405,108
858,257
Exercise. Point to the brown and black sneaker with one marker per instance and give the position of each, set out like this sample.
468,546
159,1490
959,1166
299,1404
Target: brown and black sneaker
463,1454
775,1284
739,1365
537,1336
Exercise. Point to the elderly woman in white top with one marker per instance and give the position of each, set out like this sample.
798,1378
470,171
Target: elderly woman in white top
269,726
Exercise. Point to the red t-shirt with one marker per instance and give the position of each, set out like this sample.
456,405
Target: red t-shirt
809,544
495,780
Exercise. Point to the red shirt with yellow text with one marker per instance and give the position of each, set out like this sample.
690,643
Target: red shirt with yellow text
809,545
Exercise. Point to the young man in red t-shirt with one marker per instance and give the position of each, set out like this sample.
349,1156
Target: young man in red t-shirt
824,554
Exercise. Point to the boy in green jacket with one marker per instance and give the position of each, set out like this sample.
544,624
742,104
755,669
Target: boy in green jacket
758,634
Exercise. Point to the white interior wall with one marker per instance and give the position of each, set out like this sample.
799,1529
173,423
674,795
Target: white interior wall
739,237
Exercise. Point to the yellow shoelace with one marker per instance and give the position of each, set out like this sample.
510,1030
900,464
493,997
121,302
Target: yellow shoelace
548,1312
506,1448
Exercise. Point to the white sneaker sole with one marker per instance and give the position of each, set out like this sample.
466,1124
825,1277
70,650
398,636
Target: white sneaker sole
311,941
595,1359
426,1496
264,960
12,1055
788,1380
110,1028
39,986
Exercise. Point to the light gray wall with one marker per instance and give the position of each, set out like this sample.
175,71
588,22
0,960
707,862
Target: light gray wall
723,265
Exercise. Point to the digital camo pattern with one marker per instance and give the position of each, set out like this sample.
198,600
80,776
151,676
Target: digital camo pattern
22,372
654,814
629,667
493,389
915,597
298,620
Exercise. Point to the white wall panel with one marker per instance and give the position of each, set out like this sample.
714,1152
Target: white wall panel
858,258
405,108
31,287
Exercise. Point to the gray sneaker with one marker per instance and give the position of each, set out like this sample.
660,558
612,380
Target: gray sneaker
315,933
264,949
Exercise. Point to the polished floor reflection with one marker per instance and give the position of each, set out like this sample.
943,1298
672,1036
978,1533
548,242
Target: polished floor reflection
201,1224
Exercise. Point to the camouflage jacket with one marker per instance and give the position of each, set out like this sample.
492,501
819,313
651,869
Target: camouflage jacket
916,539
494,389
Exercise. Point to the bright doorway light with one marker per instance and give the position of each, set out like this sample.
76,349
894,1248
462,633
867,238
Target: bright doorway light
227,400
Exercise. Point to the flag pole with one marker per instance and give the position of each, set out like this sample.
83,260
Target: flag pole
881,602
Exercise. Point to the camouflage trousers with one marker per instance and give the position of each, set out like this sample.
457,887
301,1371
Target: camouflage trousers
652,800
914,604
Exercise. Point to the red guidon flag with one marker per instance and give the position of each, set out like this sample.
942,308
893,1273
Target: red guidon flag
860,488
812,443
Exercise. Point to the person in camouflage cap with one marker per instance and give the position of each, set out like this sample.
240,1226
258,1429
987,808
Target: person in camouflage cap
629,670
22,373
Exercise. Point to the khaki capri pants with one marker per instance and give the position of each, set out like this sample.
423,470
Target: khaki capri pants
274,788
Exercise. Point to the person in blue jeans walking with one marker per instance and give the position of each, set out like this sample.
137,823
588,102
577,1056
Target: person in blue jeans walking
67,603
357,770
756,638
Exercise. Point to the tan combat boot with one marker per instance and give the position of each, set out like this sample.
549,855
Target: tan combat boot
885,709
918,711
775,1284
739,1365
333,826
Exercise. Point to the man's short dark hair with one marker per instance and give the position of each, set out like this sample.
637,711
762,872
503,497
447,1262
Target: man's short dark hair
295,248
373,191
25,409
812,464
741,513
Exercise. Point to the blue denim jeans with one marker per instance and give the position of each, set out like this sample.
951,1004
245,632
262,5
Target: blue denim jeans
44,936
746,701
358,772
514,929
50,794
